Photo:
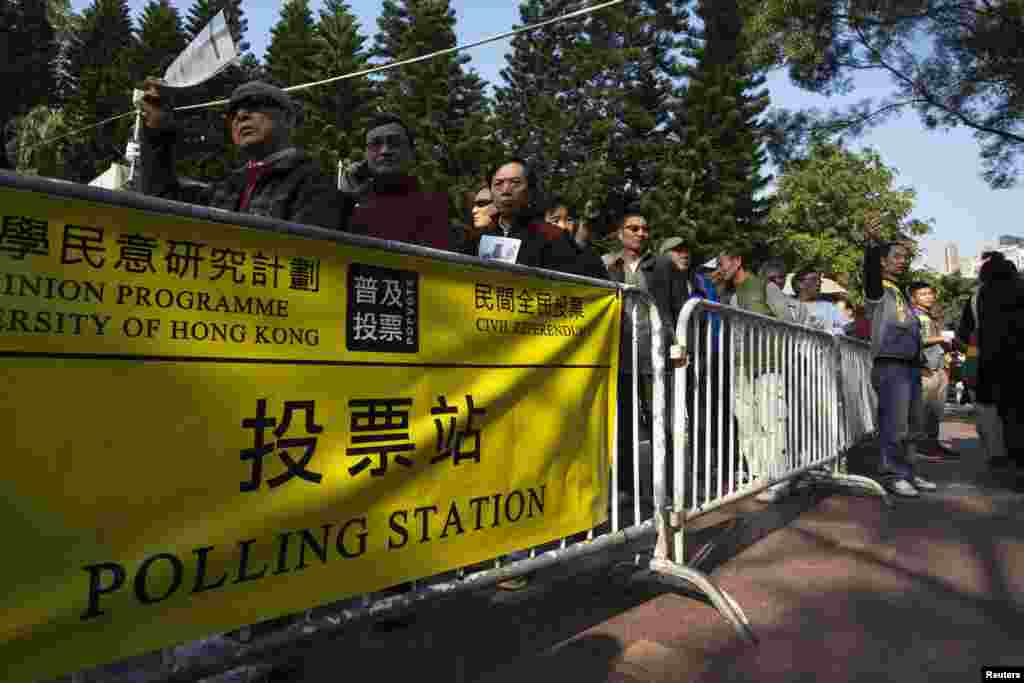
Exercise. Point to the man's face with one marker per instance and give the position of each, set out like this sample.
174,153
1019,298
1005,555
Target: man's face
809,286
388,151
633,234
560,216
895,264
483,209
777,279
680,257
728,266
510,190
924,298
254,122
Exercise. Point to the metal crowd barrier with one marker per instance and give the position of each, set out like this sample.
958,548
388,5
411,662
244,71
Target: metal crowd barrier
762,402
638,509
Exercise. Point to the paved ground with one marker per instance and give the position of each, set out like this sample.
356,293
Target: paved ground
838,588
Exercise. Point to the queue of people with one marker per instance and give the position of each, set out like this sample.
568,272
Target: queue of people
379,197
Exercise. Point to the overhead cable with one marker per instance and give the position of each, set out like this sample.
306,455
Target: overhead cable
376,69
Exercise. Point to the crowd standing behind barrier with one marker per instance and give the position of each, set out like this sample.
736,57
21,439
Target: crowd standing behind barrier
718,348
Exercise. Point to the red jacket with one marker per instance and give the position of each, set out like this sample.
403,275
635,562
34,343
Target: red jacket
404,213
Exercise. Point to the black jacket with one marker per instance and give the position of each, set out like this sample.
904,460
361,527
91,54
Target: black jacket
1000,338
295,189
546,246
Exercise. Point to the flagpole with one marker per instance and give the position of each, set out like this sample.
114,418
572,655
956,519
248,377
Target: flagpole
134,150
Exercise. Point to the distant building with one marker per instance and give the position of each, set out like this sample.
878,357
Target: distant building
952,261
1014,254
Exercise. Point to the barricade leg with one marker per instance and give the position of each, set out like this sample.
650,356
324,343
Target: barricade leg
669,524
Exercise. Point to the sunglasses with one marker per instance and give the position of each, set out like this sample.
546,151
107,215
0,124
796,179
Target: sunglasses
481,203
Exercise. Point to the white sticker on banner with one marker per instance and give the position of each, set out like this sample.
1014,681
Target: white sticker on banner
499,248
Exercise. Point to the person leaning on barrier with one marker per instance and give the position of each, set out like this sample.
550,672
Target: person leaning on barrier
895,348
633,265
389,202
277,181
759,408
514,189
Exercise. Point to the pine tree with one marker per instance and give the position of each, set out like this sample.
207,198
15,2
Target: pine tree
161,38
536,109
206,150
631,51
100,62
443,103
586,99
717,169
340,110
291,59
29,51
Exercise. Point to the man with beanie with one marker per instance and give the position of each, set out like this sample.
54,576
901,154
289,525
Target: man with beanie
277,181
389,203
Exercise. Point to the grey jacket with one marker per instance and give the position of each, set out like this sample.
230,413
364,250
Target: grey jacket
616,271
895,329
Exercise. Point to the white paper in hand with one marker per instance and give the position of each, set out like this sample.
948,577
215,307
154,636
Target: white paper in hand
499,248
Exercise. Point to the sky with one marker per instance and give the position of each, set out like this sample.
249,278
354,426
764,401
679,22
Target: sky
942,166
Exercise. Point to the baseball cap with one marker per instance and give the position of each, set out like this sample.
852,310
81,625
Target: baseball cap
669,244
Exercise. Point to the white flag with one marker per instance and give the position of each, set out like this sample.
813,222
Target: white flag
209,52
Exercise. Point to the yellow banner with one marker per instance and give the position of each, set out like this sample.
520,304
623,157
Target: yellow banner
209,426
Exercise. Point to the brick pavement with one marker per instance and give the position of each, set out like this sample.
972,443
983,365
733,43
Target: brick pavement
837,588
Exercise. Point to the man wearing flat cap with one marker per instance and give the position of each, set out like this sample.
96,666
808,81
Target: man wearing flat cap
277,180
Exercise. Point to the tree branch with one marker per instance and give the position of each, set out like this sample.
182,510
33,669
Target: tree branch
930,99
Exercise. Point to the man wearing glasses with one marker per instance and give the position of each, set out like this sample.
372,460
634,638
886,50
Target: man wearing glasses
277,180
389,202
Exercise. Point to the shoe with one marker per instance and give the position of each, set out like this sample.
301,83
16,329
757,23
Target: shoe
923,484
515,584
773,493
902,487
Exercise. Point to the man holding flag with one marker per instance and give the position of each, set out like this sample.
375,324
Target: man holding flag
277,180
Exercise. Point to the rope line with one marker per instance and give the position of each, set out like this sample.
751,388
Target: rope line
376,69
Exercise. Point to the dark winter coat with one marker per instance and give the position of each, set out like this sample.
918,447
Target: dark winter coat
1000,338
294,189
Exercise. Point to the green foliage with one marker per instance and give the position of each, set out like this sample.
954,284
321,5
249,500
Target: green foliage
442,102
823,203
29,51
291,58
100,61
714,175
587,101
161,38
339,111
956,62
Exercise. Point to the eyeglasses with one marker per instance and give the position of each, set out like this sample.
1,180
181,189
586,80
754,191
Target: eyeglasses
514,183
396,140
252,104
481,203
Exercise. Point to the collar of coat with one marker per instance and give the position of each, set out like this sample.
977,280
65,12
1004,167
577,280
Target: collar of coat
616,261
282,161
